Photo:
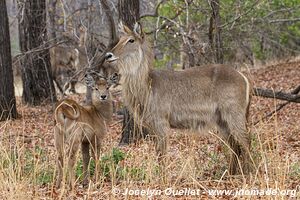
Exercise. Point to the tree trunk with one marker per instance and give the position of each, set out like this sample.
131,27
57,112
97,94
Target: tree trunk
129,13
215,23
52,21
89,51
8,108
36,74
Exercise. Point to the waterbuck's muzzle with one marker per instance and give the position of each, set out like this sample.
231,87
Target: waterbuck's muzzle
103,96
110,57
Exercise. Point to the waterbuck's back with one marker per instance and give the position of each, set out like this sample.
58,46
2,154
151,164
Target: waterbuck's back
198,93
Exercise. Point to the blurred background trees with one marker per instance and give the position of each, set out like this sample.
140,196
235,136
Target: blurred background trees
37,80
244,32
187,32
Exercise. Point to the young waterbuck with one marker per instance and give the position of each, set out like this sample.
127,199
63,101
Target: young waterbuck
197,98
81,125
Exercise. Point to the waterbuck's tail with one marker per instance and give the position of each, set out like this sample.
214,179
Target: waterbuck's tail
66,109
246,156
248,92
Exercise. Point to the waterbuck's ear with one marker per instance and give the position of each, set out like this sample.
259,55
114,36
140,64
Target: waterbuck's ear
123,29
138,30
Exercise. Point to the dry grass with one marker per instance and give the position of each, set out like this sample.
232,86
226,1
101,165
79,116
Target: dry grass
27,158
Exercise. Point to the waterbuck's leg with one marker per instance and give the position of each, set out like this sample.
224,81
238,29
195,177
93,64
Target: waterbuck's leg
226,135
233,130
244,140
72,89
58,85
96,150
58,138
234,158
75,141
161,146
85,147
158,131
161,149
240,141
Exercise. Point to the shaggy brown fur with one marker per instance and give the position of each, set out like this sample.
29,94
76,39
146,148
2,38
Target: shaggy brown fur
66,61
85,125
197,98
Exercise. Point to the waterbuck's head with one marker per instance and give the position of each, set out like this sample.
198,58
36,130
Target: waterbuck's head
131,52
99,86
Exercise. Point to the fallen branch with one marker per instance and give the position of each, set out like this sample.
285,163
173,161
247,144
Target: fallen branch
277,94
294,92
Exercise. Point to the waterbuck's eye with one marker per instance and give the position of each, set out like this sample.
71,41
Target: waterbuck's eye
131,40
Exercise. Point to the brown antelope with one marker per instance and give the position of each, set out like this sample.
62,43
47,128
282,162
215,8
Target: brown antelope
81,125
63,62
197,98
66,61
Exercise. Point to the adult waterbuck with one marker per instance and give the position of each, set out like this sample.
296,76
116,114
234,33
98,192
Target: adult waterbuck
197,98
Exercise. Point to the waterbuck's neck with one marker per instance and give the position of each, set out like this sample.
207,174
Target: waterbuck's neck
136,81
103,108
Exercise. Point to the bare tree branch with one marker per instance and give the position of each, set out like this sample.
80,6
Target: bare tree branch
252,7
171,21
284,20
155,13
292,9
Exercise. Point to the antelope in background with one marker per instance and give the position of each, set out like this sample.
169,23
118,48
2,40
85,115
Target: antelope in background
81,125
66,61
197,98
